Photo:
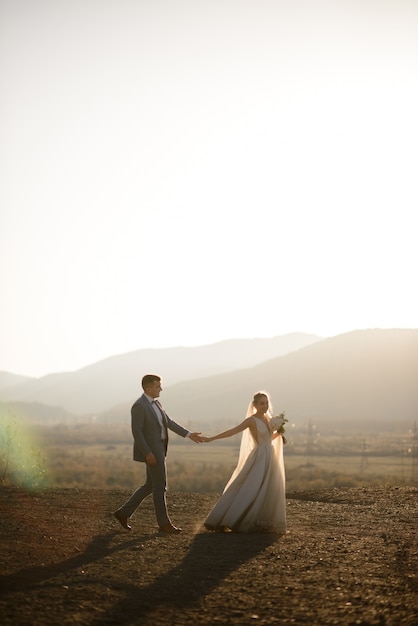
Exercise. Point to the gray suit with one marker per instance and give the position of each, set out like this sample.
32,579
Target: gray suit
148,437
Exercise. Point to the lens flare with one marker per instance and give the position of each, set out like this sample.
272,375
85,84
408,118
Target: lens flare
21,460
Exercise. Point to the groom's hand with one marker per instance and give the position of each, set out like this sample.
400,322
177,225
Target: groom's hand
196,437
150,459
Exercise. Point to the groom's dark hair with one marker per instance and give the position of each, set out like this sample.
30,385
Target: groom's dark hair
149,379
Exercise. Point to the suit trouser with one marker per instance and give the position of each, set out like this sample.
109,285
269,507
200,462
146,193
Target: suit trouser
156,484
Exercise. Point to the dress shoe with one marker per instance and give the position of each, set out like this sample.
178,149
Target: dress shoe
169,528
122,519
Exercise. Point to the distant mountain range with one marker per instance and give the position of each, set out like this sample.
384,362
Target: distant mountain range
365,379
117,380
361,377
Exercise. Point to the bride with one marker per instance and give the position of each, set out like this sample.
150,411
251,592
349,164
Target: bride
254,498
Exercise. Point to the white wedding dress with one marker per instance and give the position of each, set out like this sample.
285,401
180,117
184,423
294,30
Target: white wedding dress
254,498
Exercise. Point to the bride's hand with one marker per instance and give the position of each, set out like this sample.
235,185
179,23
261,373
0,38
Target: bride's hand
206,439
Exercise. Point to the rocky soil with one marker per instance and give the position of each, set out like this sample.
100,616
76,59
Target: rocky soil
350,556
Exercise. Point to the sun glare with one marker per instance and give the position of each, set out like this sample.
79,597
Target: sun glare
22,463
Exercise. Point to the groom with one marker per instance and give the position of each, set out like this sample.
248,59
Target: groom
150,425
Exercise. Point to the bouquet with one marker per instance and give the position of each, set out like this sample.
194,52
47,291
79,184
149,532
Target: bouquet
277,423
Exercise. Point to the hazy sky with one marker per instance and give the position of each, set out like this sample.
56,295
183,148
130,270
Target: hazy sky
182,172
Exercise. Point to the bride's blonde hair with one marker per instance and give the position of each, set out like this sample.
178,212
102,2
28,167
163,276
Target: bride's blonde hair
254,401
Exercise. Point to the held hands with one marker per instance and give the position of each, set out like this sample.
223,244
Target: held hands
196,437
199,438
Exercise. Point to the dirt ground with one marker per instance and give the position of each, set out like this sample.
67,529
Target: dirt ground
349,557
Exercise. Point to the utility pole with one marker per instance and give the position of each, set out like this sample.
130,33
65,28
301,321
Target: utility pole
364,459
310,444
414,452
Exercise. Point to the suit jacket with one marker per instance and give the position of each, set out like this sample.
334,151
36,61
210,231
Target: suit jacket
146,430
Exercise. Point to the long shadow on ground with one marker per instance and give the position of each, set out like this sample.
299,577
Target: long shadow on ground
211,558
209,561
95,551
